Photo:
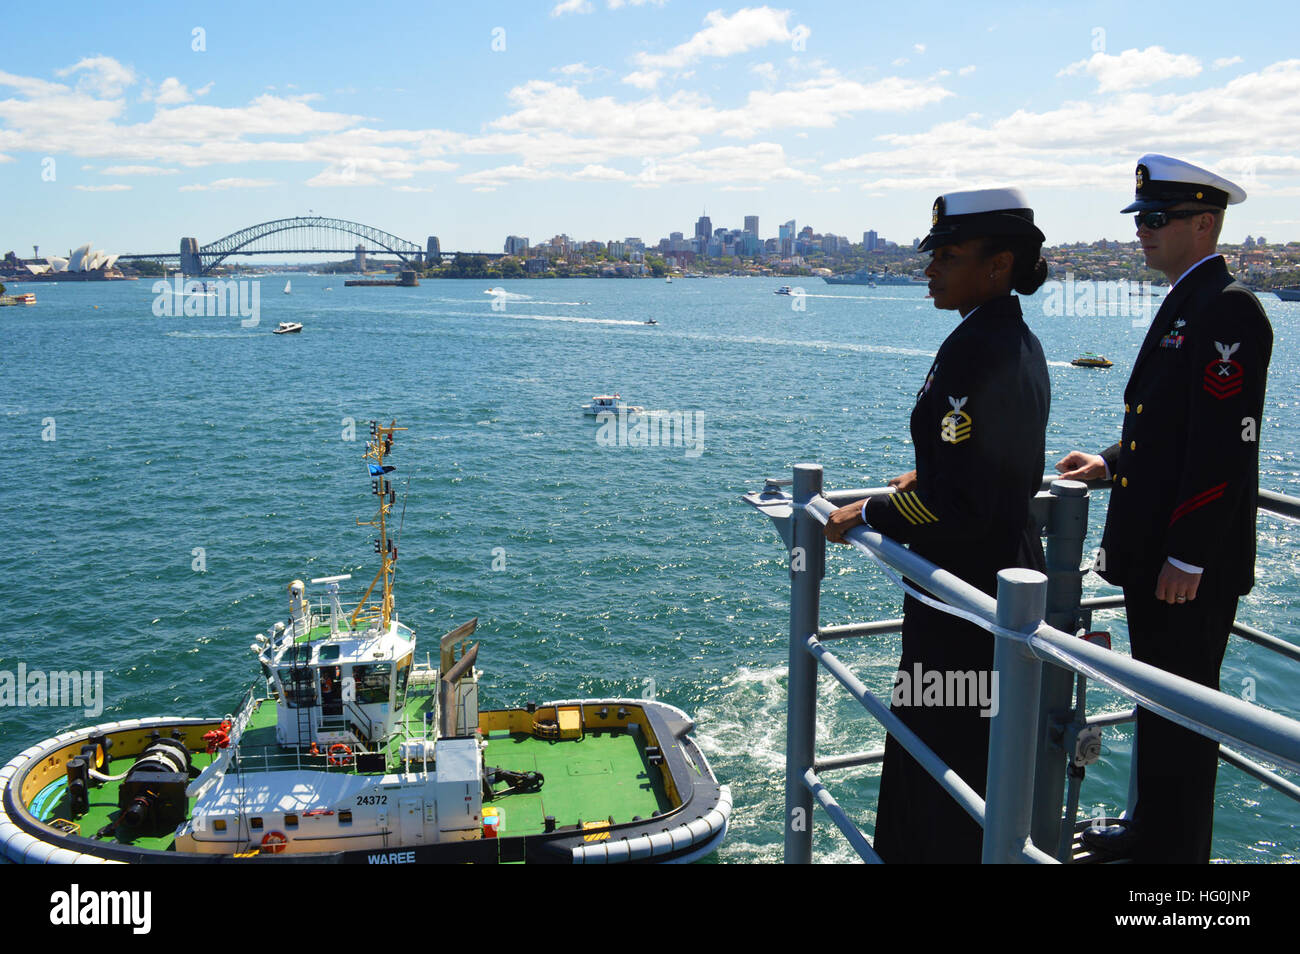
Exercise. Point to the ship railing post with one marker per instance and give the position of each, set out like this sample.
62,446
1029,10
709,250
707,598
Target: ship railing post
1008,810
1067,526
807,559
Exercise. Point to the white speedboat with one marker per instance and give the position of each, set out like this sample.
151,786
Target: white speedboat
785,290
288,328
610,404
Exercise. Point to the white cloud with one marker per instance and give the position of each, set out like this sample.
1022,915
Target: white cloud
138,171
172,92
966,70
230,183
118,187
1242,125
406,188
100,75
643,79
1133,69
746,29
919,47
570,6
1225,61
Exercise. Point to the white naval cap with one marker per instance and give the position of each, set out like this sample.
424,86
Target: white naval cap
978,213
1163,182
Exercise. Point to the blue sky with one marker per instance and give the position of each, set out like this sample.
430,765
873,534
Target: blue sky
612,118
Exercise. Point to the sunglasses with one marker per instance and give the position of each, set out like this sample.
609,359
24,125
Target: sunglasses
1158,220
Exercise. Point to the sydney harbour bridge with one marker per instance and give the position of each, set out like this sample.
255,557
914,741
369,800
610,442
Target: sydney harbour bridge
304,234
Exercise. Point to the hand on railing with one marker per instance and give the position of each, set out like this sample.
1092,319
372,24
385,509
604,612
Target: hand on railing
904,482
1078,465
842,520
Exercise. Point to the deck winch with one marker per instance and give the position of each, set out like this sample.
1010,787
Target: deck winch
152,798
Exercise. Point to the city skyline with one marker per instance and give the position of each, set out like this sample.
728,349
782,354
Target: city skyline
626,117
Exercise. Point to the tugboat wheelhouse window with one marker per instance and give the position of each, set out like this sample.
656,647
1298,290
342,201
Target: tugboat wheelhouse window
299,686
403,672
372,682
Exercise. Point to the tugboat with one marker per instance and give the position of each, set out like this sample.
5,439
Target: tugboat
348,749
1090,360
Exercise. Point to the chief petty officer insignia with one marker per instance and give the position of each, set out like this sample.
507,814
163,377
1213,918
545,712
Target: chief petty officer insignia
1223,378
955,426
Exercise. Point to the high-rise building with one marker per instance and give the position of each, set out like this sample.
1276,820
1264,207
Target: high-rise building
516,245
704,228
870,240
785,238
751,224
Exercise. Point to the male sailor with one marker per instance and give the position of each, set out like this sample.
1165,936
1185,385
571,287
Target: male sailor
1180,529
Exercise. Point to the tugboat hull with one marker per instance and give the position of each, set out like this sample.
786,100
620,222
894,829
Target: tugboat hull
667,768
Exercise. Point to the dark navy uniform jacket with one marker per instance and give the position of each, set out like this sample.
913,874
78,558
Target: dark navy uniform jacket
1186,472
978,429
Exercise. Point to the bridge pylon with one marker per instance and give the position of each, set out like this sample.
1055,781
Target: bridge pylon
190,261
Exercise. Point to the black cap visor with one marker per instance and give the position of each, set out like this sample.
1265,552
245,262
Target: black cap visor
958,228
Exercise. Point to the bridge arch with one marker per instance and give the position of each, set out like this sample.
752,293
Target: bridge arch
315,227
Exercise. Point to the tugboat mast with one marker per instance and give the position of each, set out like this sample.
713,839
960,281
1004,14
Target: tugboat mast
378,448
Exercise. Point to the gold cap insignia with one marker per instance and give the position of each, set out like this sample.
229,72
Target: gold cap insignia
937,212
1141,177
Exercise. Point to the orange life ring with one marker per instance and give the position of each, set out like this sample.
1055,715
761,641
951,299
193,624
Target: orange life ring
274,842
340,754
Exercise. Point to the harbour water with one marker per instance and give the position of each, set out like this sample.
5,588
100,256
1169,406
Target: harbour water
169,475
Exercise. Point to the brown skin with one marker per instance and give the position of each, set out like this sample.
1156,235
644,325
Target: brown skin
961,279
1171,250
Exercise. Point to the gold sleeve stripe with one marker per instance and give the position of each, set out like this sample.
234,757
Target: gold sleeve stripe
910,506
925,510
897,500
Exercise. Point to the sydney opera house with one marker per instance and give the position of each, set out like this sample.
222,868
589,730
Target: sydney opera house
84,265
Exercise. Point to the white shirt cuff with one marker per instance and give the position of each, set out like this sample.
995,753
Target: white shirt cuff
1107,468
1185,567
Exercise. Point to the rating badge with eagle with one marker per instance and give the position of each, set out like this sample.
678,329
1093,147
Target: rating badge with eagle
1223,378
956,424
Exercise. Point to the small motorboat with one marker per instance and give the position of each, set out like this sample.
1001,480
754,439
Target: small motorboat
650,321
1090,360
610,404
288,328
785,290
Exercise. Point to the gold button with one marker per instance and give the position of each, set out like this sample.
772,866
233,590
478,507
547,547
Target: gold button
1132,445
1139,408
1125,408
1123,482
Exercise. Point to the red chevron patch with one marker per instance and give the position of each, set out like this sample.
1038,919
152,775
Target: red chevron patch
1223,379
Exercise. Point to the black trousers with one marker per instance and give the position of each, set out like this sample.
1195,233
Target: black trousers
1176,768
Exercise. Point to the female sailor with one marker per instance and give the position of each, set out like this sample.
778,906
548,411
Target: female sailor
978,431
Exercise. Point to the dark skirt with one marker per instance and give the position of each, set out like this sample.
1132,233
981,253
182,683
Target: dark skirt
917,822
